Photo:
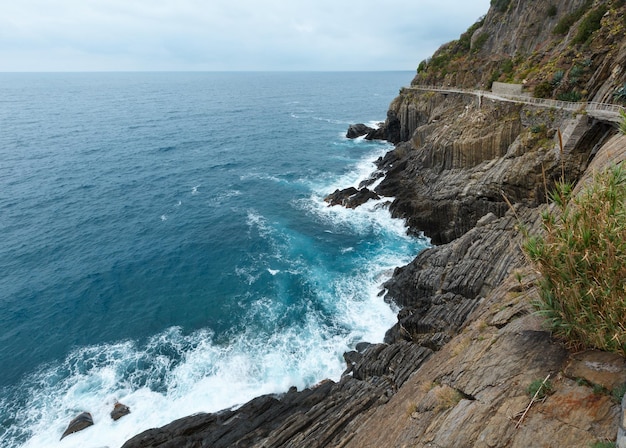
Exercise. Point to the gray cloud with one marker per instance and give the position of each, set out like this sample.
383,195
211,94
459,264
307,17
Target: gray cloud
78,35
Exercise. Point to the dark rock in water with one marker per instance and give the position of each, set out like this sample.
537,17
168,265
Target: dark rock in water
358,130
361,197
372,178
338,197
362,346
350,197
79,423
377,134
119,411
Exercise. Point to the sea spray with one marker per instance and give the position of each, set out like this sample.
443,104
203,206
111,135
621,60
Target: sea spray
250,285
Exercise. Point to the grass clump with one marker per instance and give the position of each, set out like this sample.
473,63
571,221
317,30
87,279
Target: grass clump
447,397
582,262
552,10
617,393
541,388
603,445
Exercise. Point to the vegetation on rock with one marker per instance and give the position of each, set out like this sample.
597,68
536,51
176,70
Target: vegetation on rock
530,48
582,262
570,19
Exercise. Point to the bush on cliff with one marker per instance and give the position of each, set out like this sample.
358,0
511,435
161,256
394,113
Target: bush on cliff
582,262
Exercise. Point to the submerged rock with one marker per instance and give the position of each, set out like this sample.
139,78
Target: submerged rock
80,422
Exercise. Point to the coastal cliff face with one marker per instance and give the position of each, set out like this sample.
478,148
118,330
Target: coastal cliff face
454,370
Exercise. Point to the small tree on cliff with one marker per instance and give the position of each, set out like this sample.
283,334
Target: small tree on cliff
582,262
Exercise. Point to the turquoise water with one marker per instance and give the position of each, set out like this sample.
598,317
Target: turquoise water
166,244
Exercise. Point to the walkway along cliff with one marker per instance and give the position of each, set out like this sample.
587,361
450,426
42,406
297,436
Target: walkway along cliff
455,369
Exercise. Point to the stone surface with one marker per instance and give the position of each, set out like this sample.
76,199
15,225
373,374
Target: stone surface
604,369
80,422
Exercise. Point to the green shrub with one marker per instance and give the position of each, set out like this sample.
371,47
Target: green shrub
575,73
507,66
500,5
480,42
618,392
552,10
582,262
557,78
620,93
543,90
571,96
495,75
466,37
538,128
591,23
569,19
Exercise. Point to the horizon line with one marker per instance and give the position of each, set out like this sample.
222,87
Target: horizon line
196,71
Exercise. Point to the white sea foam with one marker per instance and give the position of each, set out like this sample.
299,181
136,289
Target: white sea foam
176,374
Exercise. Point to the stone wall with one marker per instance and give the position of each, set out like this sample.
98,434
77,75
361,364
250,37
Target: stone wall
502,88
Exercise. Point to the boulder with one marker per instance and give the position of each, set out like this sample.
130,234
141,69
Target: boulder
80,422
358,130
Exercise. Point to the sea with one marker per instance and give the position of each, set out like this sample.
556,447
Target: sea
165,243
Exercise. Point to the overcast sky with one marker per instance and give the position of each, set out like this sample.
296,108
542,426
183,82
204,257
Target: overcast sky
123,35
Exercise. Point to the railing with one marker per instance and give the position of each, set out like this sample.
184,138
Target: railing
557,104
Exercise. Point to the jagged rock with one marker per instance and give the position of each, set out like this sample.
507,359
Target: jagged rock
318,417
339,197
314,417
80,422
450,173
119,411
358,130
377,134
350,197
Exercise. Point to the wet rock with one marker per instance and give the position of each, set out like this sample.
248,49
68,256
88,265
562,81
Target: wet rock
119,411
358,130
339,197
350,197
80,422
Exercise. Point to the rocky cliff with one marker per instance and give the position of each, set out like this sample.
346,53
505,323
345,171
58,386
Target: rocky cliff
455,369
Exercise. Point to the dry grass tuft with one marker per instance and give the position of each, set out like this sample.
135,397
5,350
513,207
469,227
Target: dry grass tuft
582,262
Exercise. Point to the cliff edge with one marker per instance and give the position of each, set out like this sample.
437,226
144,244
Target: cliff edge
455,370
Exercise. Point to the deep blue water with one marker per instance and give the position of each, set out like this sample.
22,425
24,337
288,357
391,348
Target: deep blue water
165,243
